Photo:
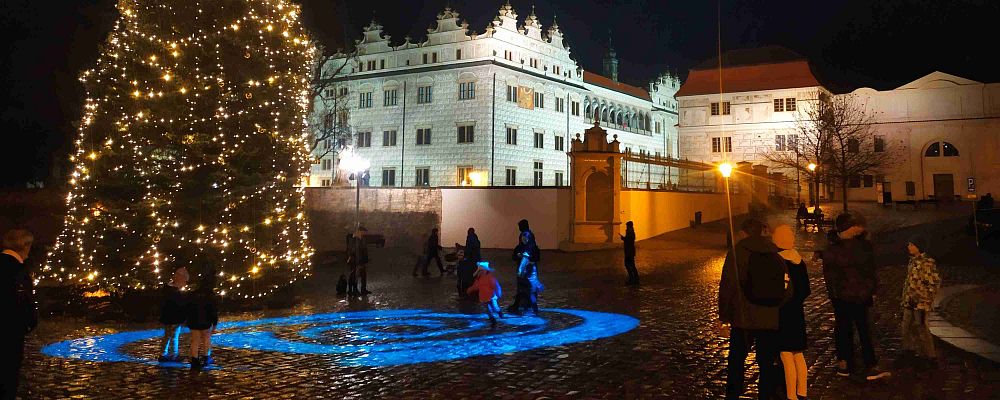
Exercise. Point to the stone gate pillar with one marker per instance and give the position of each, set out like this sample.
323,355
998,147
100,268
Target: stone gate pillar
596,183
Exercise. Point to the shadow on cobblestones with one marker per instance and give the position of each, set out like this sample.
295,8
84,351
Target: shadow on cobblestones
675,352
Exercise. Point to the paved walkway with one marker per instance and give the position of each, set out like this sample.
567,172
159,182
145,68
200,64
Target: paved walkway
673,353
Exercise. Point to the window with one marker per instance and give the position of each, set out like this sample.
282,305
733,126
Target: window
949,150
511,135
533,62
389,97
324,182
327,144
343,91
575,108
464,176
381,64
779,143
508,55
388,177
511,176
715,108
559,178
560,104
790,104
869,181
364,139
779,105
560,143
424,94
425,58
557,69
853,146
934,150
371,65
466,134
879,144
423,136
854,181
725,109
326,164
423,177
539,140
458,54
512,93
328,121
466,90
389,138
716,145
657,126
365,100
539,100
792,142
328,93
434,57
538,174
911,188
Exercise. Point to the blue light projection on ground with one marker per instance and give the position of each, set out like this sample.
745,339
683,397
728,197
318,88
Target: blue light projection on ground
372,338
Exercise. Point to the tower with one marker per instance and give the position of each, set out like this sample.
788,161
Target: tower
611,61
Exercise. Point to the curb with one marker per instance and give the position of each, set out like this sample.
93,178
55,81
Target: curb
954,335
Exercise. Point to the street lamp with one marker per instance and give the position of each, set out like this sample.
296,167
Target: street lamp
726,169
812,168
355,164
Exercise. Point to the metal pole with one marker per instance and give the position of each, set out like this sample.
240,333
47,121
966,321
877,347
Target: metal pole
798,185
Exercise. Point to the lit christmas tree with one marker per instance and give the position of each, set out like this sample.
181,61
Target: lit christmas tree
191,148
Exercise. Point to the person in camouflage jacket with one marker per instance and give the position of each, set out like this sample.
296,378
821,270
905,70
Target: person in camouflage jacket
921,285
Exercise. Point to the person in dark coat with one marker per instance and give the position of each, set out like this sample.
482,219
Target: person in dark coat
20,312
467,267
851,282
527,255
748,324
629,242
173,313
432,251
358,262
202,319
791,316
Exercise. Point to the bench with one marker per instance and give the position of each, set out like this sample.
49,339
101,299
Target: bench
817,221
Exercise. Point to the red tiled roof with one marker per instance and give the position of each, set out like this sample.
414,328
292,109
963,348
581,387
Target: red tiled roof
607,83
747,78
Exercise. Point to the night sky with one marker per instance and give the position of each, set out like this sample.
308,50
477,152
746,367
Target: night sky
880,44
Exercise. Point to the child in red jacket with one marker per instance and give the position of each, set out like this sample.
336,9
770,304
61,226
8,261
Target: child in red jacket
489,290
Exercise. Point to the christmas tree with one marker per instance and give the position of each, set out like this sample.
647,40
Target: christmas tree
191,151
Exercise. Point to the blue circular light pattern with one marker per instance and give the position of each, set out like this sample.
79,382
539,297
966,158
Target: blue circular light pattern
373,338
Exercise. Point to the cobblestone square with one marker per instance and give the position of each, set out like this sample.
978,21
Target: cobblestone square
674,352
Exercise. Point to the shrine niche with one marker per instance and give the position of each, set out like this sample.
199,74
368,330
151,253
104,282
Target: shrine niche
596,182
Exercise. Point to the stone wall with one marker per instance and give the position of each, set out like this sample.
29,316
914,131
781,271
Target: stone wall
403,216
657,212
494,213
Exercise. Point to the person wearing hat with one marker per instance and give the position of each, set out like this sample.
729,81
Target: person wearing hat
791,316
921,285
851,282
489,291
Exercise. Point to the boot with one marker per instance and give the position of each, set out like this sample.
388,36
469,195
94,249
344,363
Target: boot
196,363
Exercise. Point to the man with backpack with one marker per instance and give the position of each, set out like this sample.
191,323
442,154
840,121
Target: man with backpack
754,284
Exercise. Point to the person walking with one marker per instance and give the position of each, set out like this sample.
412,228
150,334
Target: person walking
468,265
527,255
432,251
791,316
202,319
173,314
629,242
751,289
489,291
851,282
21,315
921,286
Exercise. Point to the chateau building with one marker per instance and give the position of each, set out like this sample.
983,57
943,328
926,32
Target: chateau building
497,108
946,129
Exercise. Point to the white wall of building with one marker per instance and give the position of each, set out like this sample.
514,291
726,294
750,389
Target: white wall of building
494,214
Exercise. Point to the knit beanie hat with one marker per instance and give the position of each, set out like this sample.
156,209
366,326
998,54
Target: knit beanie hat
919,241
783,237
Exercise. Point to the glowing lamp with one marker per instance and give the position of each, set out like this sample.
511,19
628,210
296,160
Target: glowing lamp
354,163
726,169
811,166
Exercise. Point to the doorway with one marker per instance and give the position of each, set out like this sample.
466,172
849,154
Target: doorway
944,187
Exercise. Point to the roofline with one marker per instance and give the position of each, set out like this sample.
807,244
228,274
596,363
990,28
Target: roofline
751,91
806,60
440,67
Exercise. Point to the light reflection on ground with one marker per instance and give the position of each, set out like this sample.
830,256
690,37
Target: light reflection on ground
374,338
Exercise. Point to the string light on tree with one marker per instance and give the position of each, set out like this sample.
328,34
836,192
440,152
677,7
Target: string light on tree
178,157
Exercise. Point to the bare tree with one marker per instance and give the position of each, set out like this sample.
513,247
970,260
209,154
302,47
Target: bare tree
329,113
837,134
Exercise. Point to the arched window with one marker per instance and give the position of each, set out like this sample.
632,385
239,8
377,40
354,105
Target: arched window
589,110
939,149
604,115
646,124
619,119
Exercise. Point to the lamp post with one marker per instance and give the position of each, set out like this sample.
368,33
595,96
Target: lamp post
726,169
355,164
798,185
812,169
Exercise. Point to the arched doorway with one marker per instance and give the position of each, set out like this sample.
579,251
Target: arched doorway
941,161
600,199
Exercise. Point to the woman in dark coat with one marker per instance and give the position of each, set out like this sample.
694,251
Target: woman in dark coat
202,318
792,341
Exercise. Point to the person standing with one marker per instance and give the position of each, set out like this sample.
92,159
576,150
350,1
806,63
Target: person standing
752,323
527,255
851,282
173,313
791,316
629,241
467,266
473,251
358,262
21,314
202,318
432,251
922,284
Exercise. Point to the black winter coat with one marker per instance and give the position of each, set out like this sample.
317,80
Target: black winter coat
18,302
629,241
734,307
173,311
473,252
202,310
849,269
433,245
